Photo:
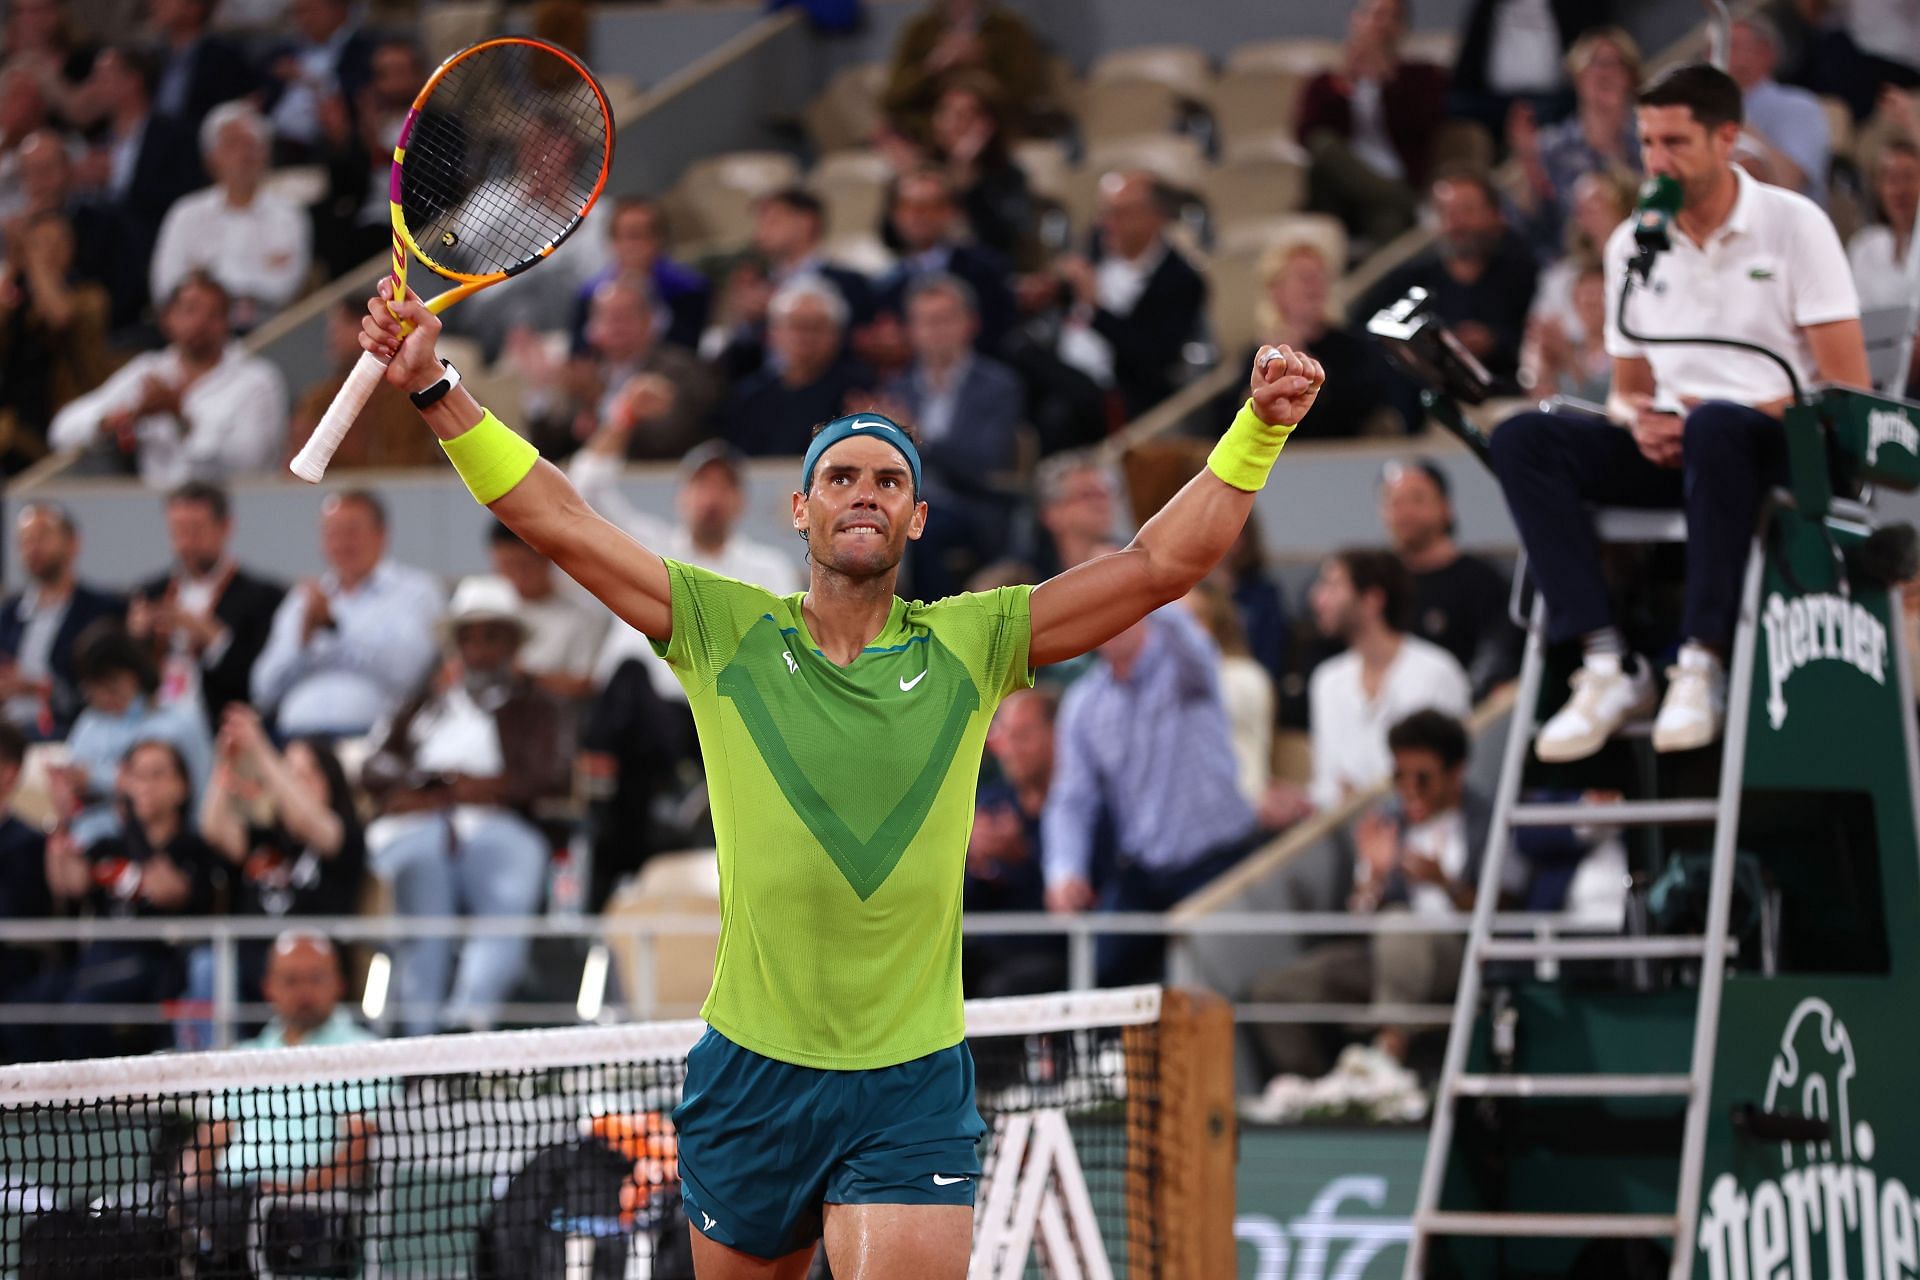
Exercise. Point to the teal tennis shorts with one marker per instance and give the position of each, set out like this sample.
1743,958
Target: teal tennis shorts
763,1144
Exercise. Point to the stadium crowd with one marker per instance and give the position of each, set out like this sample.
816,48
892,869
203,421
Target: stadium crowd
370,734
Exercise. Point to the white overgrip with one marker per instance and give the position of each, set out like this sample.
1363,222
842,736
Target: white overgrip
310,464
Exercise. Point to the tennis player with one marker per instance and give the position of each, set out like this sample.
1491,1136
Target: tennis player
842,729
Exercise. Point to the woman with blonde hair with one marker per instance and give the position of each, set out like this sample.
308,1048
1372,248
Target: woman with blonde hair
1600,135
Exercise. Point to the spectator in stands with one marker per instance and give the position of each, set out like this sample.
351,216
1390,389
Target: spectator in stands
318,74
969,409
1144,737
1370,125
1458,601
1262,609
1078,500
954,36
1132,310
1556,363
927,223
119,682
787,230
255,242
1601,201
1786,126
1420,854
145,161
564,631
808,380
386,434
1882,254
455,780
347,647
1852,51
199,70
306,1142
106,251
1004,859
662,392
23,113
53,335
24,894
354,224
207,619
1479,273
39,39
287,826
1717,457
1599,137
41,623
1363,598
637,245
1296,308
154,865
1245,687
201,409
1514,54
970,141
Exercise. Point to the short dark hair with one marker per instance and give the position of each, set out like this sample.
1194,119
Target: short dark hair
143,65
105,649
1471,175
1434,731
1708,92
13,743
800,200
366,498
1374,570
201,278
206,494
499,535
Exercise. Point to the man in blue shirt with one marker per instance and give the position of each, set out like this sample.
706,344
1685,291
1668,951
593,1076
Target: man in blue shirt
1787,127
1144,735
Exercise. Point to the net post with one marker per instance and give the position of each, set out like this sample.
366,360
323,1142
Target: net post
226,988
1184,1200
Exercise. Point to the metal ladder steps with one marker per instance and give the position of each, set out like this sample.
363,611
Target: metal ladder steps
1628,813
1615,1226
1612,948
1573,1086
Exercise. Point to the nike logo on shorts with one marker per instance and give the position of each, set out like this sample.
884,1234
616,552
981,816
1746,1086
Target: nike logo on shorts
906,685
941,1181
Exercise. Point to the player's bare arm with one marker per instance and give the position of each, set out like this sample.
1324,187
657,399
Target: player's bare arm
544,508
1091,603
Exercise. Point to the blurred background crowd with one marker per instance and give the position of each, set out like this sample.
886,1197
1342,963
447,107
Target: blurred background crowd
1025,258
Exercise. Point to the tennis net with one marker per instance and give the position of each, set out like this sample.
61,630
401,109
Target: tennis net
548,1155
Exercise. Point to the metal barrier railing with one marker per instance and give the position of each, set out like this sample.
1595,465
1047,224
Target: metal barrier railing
224,934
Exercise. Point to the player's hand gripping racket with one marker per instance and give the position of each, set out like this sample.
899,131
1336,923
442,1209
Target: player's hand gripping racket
505,151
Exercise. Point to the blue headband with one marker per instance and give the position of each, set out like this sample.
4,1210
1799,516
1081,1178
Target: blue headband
871,425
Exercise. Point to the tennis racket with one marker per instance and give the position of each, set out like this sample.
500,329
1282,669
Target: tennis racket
504,152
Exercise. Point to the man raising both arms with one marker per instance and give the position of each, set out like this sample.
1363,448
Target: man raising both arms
842,729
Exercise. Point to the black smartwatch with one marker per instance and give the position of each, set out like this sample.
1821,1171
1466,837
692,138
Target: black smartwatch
433,394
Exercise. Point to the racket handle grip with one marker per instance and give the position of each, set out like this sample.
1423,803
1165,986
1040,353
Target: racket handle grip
310,464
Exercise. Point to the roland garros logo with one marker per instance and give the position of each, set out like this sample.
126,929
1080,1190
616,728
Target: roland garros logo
1818,628
1830,1204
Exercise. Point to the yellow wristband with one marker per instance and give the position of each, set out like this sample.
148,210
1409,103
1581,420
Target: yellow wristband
491,457
1245,455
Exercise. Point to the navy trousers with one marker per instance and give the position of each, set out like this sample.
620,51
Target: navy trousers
1553,466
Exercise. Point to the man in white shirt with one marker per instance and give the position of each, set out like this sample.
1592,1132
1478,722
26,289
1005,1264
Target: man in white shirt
199,409
1364,597
564,628
1785,125
255,243
1701,423
350,646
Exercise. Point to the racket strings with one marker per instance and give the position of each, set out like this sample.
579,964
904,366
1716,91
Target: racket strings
499,168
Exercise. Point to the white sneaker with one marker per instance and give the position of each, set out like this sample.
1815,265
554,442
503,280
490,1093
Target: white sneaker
1695,708
1605,696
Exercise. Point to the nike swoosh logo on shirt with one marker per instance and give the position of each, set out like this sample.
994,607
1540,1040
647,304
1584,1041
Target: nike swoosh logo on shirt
906,684
939,1181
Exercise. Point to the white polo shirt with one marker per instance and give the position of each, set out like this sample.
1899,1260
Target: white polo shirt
1773,268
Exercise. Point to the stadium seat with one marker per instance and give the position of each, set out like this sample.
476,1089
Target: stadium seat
1255,109
623,93
1256,235
452,25
1303,54
1233,290
853,185
1175,159
302,184
1126,108
712,204
846,113
1242,191
671,884
1181,68
862,251
1048,167
1438,47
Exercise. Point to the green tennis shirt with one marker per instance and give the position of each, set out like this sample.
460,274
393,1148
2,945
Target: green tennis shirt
842,801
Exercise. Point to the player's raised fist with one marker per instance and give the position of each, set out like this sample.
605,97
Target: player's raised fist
403,334
1284,385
